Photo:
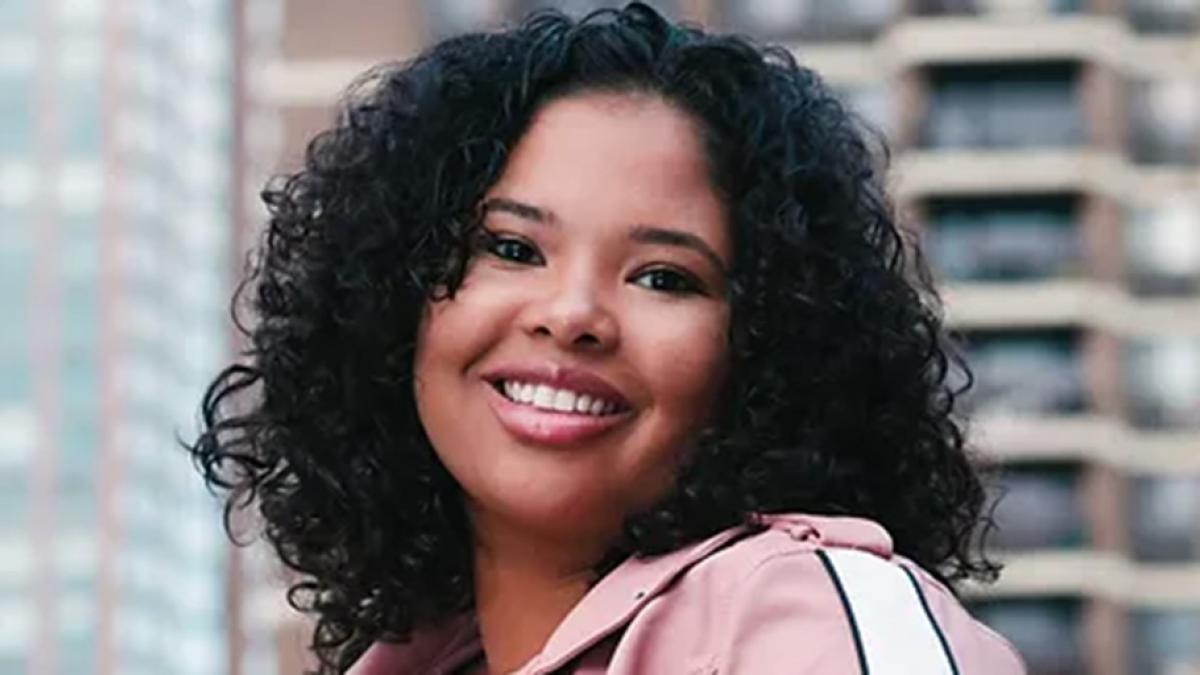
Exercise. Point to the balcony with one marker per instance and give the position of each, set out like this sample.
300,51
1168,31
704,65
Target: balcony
1162,382
1039,506
975,7
1164,121
1163,16
1164,519
1164,641
576,8
1047,632
1036,372
1004,238
819,20
1003,107
1162,247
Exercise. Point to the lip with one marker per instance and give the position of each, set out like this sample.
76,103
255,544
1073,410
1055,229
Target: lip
550,427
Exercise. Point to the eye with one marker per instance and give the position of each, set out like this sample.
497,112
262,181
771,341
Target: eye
667,281
513,249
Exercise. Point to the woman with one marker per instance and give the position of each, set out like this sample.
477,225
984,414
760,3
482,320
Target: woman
594,347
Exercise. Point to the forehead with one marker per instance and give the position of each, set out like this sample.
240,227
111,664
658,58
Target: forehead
604,158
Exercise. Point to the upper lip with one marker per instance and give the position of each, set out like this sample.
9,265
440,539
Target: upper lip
560,377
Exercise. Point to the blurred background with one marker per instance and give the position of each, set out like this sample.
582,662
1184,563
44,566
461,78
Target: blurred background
1048,151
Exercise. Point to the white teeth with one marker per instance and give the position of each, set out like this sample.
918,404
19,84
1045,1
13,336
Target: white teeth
564,401
583,403
545,397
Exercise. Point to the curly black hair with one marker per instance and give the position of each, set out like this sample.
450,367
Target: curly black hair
842,392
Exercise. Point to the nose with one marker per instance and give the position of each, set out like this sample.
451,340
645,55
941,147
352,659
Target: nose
575,317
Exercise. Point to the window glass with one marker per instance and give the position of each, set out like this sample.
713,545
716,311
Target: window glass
873,103
939,7
809,19
1046,631
1162,247
80,107
1002,106
1163,16
1164,641
1162,382
1025,372
1004,238
449,17
1066,6
1164,120
1039,507
16,18
16,108
14,501
579,8
1165,518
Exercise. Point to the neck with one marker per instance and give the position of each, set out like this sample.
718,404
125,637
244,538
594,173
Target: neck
525,586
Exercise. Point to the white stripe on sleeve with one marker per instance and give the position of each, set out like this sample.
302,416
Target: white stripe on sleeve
896,631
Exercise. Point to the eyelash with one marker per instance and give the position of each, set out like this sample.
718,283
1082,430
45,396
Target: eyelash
525,253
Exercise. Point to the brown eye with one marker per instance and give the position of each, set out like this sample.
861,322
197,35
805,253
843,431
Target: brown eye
667,281
513,250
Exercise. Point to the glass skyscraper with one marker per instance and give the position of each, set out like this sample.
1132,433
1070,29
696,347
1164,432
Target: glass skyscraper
116,234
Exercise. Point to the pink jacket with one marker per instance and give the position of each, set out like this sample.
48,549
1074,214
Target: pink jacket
810,595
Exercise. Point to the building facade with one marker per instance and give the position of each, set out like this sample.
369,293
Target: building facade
1048,154
115,246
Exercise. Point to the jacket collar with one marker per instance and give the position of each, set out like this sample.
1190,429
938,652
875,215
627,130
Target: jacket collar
613,601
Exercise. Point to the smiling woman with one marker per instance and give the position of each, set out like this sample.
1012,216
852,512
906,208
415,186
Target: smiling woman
594,347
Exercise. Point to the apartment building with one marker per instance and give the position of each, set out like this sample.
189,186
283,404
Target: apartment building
1048,152
114,255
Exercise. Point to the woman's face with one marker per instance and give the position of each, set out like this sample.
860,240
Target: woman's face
587,343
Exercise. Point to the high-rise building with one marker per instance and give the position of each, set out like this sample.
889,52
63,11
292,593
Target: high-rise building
1048,153
115,246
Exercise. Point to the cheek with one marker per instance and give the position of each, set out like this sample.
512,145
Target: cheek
689,356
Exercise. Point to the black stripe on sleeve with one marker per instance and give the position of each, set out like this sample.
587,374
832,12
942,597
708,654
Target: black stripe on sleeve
837,584
937,630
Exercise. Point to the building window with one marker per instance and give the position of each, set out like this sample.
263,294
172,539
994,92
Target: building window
1004,238
1025,372
1162,378
873,104
1163,16
1164,121
579,8
1162,247
944,7
1045,631
1164,641
1003,106
16,109
1039,506
967,7
1165,518
809,19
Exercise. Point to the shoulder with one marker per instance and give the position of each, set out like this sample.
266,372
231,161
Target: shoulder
827,595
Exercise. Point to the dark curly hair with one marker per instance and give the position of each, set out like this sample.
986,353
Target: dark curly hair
841,397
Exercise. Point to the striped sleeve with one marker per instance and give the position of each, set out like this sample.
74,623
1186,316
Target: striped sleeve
894,631
840,611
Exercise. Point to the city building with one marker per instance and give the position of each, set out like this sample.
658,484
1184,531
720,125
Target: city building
1047,152
115,246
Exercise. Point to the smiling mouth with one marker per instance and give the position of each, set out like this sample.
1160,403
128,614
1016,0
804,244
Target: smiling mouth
556,399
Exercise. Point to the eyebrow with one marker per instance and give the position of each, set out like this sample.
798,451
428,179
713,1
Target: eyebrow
649,234
646,234
518,209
